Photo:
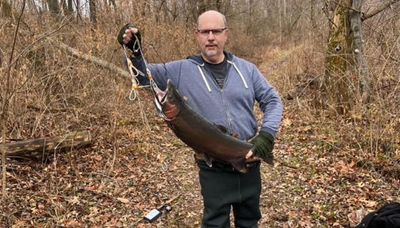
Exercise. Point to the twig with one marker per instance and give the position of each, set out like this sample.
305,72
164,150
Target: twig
378,10
168,202
1,58
4,115
42,37
74,52
30,47
283,163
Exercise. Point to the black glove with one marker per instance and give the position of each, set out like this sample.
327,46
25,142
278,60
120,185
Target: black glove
263,145
133,45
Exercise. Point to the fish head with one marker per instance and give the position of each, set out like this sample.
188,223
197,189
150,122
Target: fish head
173,95
169,101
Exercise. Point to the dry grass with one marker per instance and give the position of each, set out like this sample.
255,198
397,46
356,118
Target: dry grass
131,161
371,129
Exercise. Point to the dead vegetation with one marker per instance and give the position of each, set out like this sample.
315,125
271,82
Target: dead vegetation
333,167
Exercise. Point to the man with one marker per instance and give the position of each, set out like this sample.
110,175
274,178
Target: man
223,89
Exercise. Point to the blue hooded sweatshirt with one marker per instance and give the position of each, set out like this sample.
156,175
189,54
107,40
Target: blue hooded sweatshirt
231,106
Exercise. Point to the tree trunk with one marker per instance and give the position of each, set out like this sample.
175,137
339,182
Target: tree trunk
6,9
285,11
362,67
250,18
32,6
112,2
339,57
346,67
63,7
312,16
120,72
203,5
280,21
70,7
174,10
1,59
379,9
218,5
43,146
78,9
54,7
93,12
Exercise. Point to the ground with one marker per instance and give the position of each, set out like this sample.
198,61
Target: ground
129,171
137,164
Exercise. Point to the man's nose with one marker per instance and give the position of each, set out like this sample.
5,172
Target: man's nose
210,35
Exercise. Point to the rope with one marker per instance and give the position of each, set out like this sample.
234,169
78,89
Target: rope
134,72
133,94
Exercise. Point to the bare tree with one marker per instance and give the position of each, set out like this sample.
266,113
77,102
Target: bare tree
5,8
112,2
338,54
70,7
93,12
78,8
5,105
54,7
345,50
358,50
312,15
250,18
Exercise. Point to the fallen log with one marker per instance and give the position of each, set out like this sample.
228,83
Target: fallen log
45,146
92,59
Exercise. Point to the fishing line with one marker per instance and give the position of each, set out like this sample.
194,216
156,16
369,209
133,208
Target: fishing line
133,94
134,72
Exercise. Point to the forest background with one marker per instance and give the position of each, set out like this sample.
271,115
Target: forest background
93,157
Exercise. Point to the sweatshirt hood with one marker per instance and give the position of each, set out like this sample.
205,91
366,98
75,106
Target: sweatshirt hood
198,60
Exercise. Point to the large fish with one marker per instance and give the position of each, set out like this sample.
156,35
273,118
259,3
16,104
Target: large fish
202,136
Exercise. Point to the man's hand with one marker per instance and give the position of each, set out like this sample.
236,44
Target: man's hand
130,36
263,145
250,157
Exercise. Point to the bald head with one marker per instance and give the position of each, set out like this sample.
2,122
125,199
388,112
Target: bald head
212,34
211,15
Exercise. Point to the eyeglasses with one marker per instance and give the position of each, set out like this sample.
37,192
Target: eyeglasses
215,32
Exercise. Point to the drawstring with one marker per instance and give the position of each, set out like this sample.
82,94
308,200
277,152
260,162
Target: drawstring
204,78
240,73
230,62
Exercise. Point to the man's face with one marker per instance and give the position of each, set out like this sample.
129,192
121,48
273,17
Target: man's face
211,36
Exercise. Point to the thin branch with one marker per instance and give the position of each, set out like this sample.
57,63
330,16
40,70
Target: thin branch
1,58
42,37
34,45
4,115
95,60
378,10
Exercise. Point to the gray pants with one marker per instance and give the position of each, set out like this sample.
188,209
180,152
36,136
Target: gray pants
224,188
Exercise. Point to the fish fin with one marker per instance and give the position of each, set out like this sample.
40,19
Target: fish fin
208,160
236,135
223,129
240,165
